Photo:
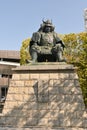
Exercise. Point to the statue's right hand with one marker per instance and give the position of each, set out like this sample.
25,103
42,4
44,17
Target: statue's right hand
35,44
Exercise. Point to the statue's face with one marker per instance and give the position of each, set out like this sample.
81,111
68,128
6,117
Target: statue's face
47,29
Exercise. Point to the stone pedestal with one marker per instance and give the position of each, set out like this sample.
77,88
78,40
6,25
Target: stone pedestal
44,96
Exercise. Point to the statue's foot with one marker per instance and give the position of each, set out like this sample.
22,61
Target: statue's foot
61,60
31,61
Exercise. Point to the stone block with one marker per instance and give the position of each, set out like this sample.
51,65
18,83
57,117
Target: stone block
18,97
44,76
56,83
53,90
53,106
16,83
7,111
61,90
53,97
54,113
43,98
63,75
64,106
53,76
35,114
68,83
51,83
76,122
33,76
73,76
43,121
27,98
29,83
44,114
53,122
31,122
76,82
80,114
76,90
16,76
64,122
71,98
30,106
24,76
10,97
69,114
60,98
2,120
15,89
42,106
84,114
31,90
23,90
84,123
10,104
11,121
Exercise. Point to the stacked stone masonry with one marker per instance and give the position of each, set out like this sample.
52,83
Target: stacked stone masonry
44,97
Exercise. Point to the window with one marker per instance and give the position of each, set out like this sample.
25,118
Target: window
3,93
3,97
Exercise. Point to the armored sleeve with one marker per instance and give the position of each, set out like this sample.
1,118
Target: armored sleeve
35,38
58,40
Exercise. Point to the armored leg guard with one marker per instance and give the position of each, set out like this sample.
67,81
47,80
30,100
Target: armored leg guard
34,56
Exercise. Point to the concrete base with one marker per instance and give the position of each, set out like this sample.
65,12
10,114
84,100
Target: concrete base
44,96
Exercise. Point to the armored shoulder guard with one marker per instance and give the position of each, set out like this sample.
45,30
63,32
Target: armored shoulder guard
36,37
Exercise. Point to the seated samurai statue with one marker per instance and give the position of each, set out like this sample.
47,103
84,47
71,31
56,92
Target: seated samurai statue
45,45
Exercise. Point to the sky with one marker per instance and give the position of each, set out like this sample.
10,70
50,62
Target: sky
20,18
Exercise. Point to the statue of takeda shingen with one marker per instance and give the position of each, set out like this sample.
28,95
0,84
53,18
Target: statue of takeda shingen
45,45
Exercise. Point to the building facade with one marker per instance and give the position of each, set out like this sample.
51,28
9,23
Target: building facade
8,60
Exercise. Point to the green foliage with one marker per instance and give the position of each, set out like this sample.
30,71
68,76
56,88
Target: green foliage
72,47
82,70
24,51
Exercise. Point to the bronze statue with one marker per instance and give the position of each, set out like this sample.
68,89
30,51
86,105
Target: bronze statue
45,45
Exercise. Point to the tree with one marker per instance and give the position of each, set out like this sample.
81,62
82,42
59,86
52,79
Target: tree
24,51
82,66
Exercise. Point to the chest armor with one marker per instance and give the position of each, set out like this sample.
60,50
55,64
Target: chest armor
47,39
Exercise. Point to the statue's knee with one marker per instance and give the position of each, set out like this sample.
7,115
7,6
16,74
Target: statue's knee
59,48
58,45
